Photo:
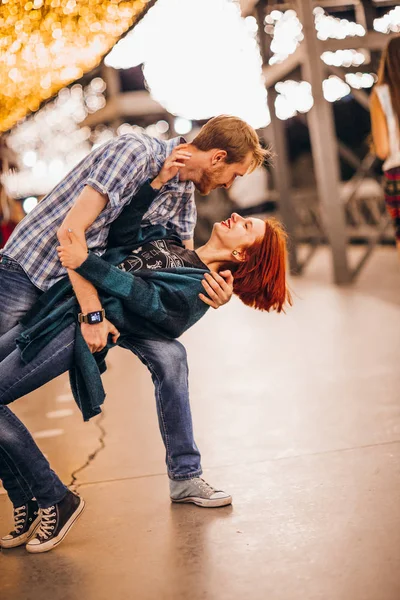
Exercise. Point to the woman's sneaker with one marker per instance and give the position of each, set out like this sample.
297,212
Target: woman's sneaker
198,492
56,522
26,521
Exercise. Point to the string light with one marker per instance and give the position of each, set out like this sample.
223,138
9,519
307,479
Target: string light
389,22
293,97
51,142
361,80
332,27
335,88
286,31
47,44
296,96
344,58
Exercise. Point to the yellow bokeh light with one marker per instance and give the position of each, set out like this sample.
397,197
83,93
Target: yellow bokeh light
47,44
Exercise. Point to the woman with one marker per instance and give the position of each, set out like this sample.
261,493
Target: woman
149,286
385,118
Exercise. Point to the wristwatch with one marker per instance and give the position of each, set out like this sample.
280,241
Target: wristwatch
93,317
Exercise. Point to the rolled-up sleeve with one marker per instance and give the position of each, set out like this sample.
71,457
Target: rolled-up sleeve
119,170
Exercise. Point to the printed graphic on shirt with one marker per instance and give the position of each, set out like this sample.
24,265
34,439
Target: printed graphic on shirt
160,254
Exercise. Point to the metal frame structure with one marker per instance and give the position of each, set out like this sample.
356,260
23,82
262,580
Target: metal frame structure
330,223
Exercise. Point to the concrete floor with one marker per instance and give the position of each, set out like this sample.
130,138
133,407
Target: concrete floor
297,416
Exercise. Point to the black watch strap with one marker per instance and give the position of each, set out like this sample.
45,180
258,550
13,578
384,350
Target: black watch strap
92,318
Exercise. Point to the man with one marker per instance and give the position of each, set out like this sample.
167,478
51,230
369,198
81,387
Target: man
88,200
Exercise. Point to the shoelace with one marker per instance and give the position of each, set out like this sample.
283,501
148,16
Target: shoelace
19,514
49,517
205,487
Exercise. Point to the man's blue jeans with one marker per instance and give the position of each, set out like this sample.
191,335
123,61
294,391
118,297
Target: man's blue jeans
165,359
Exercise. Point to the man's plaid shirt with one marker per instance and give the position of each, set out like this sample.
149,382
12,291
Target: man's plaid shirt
118,169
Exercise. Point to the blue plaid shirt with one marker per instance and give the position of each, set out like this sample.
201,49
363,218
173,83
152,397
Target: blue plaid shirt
118,169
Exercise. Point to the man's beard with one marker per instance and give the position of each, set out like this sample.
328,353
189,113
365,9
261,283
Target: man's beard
208,181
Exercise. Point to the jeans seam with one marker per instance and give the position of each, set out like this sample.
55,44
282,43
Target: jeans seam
158,395
19,473
36,368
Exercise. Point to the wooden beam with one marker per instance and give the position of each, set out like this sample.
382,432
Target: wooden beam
274,73
324,148
281,169
373,40
127,104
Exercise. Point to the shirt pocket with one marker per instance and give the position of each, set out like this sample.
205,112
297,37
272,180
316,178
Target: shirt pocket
163,209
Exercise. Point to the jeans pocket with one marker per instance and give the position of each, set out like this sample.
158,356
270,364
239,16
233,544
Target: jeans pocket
9,264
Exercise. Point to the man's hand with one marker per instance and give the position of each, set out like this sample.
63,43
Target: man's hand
219,288
72,253
171,166
96,335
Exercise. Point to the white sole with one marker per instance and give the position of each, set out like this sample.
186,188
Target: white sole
46,546
205,503
22,539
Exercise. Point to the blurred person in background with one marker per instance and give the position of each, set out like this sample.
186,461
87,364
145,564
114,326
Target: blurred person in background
11,213
385,119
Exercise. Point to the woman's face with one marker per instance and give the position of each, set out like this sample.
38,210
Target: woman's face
238,233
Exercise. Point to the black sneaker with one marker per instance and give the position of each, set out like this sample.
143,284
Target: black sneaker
26,521
56,522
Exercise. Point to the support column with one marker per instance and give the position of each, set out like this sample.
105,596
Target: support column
281,169
282,180
324,148
111,77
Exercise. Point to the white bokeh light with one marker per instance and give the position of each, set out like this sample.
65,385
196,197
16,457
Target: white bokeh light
29,204
182,125
360,80
296,96
335,88
343,58
293,97
29,158
193,79
287,32
328,26
389,22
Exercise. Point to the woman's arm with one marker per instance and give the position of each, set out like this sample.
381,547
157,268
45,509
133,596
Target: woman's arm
379,127
145,298
86,209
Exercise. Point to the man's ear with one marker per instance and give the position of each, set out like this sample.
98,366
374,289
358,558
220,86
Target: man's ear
218,157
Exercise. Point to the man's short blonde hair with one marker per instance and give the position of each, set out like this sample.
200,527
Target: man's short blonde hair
235,136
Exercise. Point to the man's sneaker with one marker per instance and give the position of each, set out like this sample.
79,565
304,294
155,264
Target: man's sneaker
56,522
199,492
26,521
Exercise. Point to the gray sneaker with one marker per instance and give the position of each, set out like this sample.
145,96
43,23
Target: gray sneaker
199,492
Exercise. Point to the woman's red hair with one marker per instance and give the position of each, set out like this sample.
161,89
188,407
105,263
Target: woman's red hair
260,280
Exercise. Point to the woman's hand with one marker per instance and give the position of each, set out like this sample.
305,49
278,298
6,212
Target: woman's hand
74,254
219,287
171,166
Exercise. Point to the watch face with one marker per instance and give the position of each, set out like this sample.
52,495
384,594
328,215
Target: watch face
95,317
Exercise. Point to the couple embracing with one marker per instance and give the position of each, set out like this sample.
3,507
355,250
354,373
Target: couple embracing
105,259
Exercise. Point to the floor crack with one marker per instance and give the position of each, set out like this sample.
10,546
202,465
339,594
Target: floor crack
92,455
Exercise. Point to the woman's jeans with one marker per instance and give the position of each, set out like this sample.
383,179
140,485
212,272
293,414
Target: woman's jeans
166,361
